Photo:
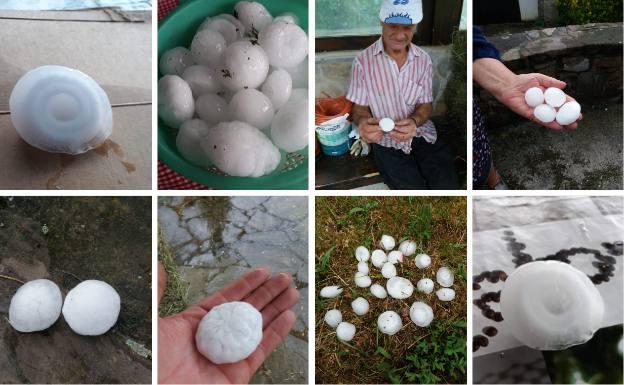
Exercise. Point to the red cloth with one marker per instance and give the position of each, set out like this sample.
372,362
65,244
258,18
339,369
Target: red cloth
167,178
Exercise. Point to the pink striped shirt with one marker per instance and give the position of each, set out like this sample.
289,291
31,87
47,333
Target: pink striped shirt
390,92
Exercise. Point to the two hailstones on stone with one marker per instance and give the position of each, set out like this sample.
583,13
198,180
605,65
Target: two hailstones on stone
232,95
389,322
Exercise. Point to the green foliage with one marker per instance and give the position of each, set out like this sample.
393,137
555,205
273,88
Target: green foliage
589,11
323,263
455,92
419,225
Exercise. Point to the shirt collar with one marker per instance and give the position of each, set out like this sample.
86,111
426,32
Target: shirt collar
412,52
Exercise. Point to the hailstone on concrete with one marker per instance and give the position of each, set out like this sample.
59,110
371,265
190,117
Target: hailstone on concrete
35,306
91,308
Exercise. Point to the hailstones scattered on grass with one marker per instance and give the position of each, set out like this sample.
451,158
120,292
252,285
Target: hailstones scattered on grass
285,44
362,280
175,101
445,277
333,318
345,331
422,261
363,267
554,97
331,291
378,258
395,256
378,291
568,113
387,242
92,307
389,322
445,294
550,305
362,254
425,285
360,306
407,247
388,270
534,96
175,61
399,287
229,332
421,314
35,306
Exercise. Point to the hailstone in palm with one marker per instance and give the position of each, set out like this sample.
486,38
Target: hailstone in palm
388,270
175,101
389,322
345,331
244,65
229,332
407,247
253,15
333,318
444,276
378,258
425,285
359,306
253,107
35,306
208,47
362,254
211,108
289,129
286,44
188,142
545,113
534,96
91,308
568,113
421,314
278,87
202,80
175,61
330,291
387,242
554,97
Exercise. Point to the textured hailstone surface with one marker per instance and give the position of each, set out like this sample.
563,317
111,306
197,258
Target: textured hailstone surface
359,306
333,318
422,261
345,331
378,258
299,74
254,16
175,61
59,109
425,285
286,44
395,256
202,80
389,322
229,332
362,254
399,287
278,87
445,294
554,97
175,101
188,142
387,242
208,47
568,113
91,308
243,65
228,28
212,109
421,314
388,270
445,277
238,149
378,291
534,96
545,113
550,305
363,267
289,129
331,291
407,247
362,280
253,107
35,306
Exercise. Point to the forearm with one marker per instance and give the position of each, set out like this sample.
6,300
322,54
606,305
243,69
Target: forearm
492,75
421,113
359,112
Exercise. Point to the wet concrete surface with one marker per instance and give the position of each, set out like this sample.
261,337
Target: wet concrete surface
218,239
68,240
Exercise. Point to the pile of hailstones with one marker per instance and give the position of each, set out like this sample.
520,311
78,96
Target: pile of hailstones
235,88
389,322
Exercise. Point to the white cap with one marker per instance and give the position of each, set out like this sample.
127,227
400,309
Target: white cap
401,11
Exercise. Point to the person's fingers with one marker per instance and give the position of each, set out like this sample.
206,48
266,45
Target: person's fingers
284,301
273,336
162,281
372,121
236,290
403,122
269,290
547,81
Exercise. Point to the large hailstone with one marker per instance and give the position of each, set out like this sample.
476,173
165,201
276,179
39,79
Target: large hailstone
568,113
175,61
425,285
399,287
175,101
444,276
278,88
207,47
422,261
362,280
362,254
333,318
253,107
229,332
91,308
212,108
389,322
395,256
545,113
345,331
330,291
378,258
229,28
35,306
388,270
289,129
554,97
387,242
378,291
285,44
238,149
202,80
254,16
244,65
550,305
407,247
534,96
188,142
59,109
360,306
445,294
421,314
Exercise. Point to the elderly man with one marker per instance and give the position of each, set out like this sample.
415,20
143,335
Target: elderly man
392,79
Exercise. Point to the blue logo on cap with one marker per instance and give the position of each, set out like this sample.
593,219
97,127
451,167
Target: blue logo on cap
401,2
399,18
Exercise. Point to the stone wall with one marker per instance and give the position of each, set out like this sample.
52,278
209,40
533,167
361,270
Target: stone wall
587,57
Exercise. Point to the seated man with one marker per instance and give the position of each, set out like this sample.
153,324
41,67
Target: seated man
392,79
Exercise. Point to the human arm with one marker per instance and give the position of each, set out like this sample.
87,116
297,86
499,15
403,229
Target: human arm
367,125
406,129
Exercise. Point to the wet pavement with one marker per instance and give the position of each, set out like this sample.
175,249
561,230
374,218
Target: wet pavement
218,239
68,240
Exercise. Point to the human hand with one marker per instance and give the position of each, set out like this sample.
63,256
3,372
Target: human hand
404,130
370,131
180,362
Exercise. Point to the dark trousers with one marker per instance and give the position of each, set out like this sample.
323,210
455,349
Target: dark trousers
427,167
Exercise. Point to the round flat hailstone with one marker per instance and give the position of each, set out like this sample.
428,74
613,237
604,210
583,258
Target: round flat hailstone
550,305
253,107
395,256
244,65
545,113
188,142
554,97
445,294
362,280
278,87
362,254
360,306
422,261
363,267
378,291
378,258
345,331
399,287
388,270
407,247
175,101
333,318
91,308
286,44
445,277
208,47
35,306
202,80
387,242
331,291
289,129
229,332
389,322
175,61
59,109
534,96
421,314
212,109
386,124
425,285
568,113
254,16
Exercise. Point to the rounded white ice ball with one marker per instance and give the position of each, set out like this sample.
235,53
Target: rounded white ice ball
92,307
35,306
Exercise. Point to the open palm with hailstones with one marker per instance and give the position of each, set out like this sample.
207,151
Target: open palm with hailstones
179,361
